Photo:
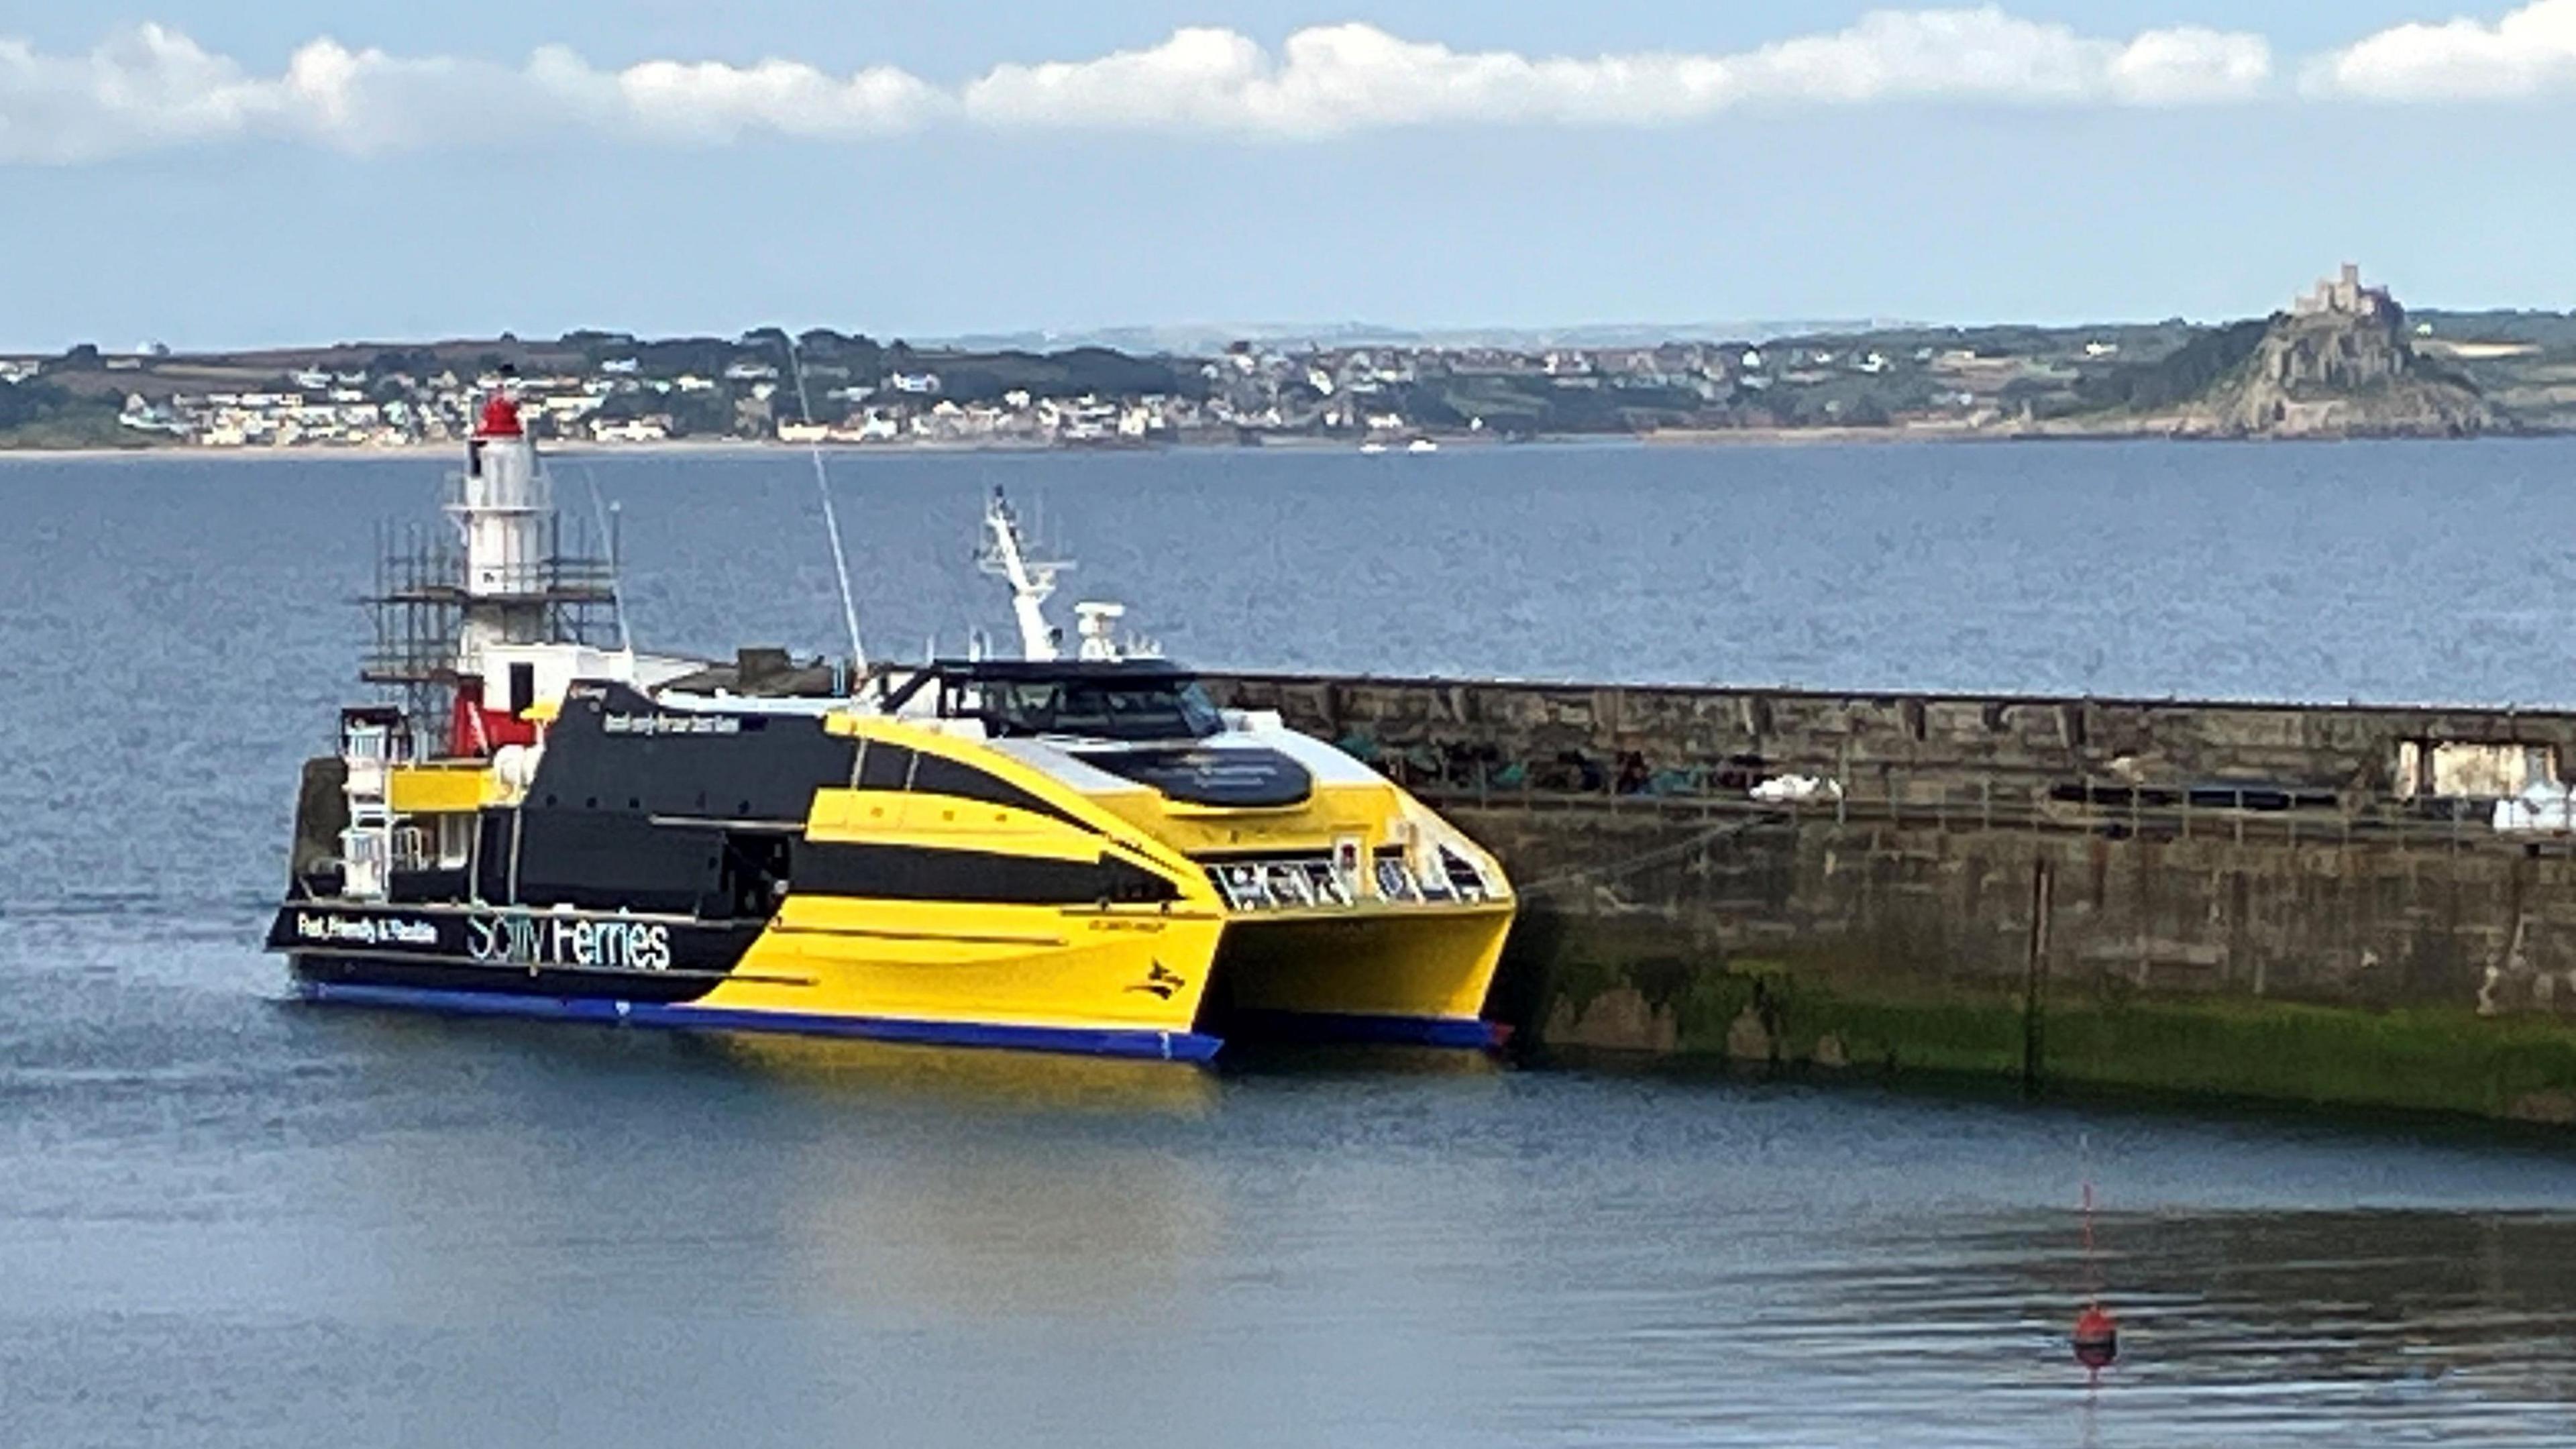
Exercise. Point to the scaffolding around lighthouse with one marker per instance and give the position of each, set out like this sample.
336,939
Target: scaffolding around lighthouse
453,601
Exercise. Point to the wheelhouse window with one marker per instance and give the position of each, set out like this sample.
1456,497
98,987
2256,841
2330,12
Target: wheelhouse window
1161,708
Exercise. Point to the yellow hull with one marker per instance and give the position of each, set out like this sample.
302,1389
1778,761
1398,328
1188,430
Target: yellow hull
1137,978
1403,974
1089,969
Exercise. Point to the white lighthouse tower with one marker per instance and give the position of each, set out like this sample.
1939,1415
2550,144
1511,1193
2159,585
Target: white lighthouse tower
480,628
503,505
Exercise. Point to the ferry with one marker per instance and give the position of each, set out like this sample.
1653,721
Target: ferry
1076,854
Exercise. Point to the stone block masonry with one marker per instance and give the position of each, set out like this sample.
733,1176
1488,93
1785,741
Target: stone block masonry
2308,903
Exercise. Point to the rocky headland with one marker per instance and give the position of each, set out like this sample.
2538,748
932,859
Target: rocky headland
2340,363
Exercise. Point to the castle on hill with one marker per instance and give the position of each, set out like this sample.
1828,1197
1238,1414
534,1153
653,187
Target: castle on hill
2343,295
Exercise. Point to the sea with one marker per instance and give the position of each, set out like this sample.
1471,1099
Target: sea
227,1219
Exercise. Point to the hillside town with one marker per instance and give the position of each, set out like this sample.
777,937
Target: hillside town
822,387
1251,393
1248,393
318,408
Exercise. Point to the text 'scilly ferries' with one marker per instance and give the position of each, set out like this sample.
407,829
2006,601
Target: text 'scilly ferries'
1079,855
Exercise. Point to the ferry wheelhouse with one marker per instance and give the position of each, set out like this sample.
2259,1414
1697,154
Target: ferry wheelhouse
1079,854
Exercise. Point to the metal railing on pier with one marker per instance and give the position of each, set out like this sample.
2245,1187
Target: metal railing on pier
2244,814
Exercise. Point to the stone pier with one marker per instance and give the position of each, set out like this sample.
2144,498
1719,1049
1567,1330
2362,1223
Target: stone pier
2309,903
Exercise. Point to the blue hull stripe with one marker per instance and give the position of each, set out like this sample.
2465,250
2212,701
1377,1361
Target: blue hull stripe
1179,1046
1325,1026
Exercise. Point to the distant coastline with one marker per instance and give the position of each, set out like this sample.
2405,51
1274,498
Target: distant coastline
1676,440
2344,360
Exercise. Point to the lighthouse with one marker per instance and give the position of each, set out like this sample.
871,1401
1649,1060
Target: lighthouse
503,507
481,627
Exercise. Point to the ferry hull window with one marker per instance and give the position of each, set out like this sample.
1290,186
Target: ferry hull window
455,840
494,845
885,767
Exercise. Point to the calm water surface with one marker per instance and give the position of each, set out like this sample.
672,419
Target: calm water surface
225,1220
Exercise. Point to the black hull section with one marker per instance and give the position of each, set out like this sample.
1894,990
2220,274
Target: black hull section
564,955
657,988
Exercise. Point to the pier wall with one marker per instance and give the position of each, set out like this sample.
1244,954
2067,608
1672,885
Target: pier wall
2295,902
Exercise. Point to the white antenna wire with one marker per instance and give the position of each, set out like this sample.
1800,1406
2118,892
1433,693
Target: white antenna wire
831,523
616,565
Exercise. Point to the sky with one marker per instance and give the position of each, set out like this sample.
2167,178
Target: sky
213,174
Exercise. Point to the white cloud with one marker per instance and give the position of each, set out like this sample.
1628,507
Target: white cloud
151,87
1991,56
709,101
2192,66
2530,52
1332,79
143,87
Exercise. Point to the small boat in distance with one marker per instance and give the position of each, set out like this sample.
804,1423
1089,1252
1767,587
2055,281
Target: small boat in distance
1073,854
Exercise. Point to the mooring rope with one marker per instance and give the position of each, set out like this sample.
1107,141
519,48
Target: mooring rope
1631,865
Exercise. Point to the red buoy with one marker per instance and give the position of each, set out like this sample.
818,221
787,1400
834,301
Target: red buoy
2096,1338
2097,1334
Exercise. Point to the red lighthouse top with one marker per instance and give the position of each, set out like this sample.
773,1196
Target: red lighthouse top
500,418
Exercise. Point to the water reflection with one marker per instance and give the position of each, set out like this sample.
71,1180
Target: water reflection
963,1077
519,1230
2358,1326
984,1236
2396,1317
1258,1060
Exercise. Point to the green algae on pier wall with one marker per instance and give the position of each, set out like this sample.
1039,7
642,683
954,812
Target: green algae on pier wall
1771,1015
2231,899
2433,1059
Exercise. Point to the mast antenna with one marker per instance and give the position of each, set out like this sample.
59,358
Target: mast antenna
601,517
1032,581
831,522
